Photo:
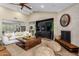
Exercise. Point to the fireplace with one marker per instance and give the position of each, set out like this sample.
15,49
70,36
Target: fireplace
66,36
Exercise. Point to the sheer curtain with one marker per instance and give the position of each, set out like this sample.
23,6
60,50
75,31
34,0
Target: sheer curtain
13,27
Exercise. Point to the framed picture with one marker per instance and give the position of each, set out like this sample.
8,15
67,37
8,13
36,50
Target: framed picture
65,20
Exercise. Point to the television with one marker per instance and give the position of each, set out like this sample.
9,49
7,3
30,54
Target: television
66,36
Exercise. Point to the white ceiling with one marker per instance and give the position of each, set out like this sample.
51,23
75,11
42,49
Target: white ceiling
50,7
39,7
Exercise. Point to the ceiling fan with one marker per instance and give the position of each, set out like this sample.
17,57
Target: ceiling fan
22,5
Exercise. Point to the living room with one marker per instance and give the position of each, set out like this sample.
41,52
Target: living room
19,22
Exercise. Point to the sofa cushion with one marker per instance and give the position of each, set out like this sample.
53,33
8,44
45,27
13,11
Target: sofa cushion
8,35
19,34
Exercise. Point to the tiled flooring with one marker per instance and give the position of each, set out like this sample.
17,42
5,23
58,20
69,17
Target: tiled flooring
17,51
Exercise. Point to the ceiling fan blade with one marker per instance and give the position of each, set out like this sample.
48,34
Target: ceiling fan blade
28,7
22,7
14,3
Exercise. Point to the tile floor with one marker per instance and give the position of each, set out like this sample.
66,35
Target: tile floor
17,51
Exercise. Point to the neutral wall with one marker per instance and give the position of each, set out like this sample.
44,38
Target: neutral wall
41,15
73,11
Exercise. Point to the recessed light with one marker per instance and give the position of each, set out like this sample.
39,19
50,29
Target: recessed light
42,6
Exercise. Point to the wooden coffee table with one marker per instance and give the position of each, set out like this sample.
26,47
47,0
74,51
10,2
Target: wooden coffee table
28,43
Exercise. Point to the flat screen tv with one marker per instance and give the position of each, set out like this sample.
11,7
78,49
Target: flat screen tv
66,36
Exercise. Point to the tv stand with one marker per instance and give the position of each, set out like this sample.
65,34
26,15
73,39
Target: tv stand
70,47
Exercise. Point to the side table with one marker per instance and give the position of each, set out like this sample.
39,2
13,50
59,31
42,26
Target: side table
4,51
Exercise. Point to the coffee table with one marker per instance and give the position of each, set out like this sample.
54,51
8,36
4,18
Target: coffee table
28,43
4,51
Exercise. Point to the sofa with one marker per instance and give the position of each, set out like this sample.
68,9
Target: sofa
9,38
